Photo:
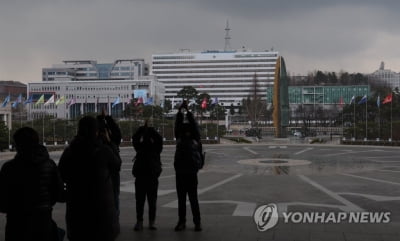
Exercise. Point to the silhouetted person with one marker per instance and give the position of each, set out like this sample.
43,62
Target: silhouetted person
86,166
29,187
187,158
148,145
110,134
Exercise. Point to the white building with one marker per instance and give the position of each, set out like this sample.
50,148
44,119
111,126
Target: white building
227,75
386,77
90,96
91,70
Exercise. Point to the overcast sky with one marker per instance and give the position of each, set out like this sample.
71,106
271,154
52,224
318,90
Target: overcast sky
328,35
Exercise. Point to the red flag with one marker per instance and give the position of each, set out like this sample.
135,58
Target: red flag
139,101
387,99
204,103
341,102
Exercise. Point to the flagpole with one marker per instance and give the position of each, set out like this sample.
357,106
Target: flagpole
217,124
391,118
366,119
354,117
379,123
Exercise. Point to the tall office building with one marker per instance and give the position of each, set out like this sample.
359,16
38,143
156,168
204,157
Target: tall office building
227,75
81,70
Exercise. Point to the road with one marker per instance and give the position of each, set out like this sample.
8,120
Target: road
305,178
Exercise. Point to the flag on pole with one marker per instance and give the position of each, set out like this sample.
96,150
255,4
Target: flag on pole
49,101
29,100
116,102
40,100
352,100
17,101
363,100
173,103
214,101
149,101
5,102
61,100
204,103
378,101
192,102
387,99
139,101
71,102
341,102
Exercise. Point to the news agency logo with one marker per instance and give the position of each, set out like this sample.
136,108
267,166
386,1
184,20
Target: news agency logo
266,217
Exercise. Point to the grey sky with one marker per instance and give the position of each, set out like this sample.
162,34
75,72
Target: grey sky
352,35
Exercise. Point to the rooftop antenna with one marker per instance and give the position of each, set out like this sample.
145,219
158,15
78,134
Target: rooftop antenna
227,37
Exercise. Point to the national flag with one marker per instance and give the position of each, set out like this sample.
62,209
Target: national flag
204,103
116,102
49,101
341,102
173,103
214,101
363,100
192,102
149,101
378,101
5,102
19,99
29,100
60,100
352,100
71,101
139,101
40,100
388,99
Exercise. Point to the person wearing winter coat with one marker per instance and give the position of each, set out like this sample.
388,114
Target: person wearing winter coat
30,185
86,166
187,162
148,145
110,134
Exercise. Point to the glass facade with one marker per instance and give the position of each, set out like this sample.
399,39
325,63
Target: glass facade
328,95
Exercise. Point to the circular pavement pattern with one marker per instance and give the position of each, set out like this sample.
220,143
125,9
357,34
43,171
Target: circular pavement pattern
274,162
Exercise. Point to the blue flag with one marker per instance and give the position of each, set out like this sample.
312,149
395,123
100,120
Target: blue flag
29,100
149,101
5,102
116,102
378,101
363,100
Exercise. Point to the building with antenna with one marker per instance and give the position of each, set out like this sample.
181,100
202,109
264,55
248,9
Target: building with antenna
385,77
228,74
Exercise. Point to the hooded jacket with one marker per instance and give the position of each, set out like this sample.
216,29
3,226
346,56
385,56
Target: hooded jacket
29,187
86,168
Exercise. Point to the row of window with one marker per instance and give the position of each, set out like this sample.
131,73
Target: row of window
212,71
174,57
215,66
161,78
217,61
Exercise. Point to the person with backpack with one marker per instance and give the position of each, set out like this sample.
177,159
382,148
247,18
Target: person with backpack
146,169
187,162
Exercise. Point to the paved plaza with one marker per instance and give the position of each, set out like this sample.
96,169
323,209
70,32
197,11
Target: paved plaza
296,178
